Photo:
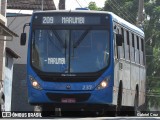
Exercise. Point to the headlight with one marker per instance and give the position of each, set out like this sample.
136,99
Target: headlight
103,84
34,83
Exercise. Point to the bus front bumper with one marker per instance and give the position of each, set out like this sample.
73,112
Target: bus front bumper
103,96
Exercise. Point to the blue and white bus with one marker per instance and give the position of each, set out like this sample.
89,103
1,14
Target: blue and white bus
85,60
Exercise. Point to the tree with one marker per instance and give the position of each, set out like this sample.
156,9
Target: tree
152,33
123,9
93,6
62,4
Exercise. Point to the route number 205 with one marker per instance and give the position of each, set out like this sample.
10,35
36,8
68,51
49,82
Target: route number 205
48,20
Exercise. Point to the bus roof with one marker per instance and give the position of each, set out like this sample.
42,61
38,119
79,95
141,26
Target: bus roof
126,24
114,18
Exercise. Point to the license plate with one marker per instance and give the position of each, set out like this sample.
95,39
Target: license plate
68,100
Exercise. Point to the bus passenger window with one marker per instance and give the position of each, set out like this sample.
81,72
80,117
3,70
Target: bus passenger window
142,49
127,38
116,53
122,48
128,47
122,32
137,42
133,40
142,45
116,49
137,51
133,49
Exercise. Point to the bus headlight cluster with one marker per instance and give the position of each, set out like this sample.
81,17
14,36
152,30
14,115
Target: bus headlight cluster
103,84
34,83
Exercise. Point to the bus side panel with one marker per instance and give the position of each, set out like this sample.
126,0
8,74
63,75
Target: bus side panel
133,82
126,98
118,65
117,74
116,81
142,86
126,95
126,65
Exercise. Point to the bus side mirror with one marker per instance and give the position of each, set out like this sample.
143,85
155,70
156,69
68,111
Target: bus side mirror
23,35
119,39
23,38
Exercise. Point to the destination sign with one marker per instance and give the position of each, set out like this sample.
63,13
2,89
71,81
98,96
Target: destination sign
42,19
64,20
73,20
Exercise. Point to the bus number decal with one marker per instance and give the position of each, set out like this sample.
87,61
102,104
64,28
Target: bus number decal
87,87
48,20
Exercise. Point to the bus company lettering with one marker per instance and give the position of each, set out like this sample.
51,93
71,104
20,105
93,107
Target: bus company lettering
56,60
73,20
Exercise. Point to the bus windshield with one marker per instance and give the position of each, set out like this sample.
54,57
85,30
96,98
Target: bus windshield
70,51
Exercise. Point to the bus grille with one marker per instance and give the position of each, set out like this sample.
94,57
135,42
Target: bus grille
68,79
59,96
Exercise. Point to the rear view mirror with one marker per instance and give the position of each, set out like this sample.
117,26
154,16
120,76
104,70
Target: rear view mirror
119,39
23,39
23,35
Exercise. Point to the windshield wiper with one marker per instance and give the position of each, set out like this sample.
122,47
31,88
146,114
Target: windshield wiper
76,44
59,39
51,40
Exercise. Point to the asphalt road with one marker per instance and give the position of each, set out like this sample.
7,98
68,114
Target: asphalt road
72,116
105,118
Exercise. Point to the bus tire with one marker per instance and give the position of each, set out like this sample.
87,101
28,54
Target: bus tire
119,101
135,108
